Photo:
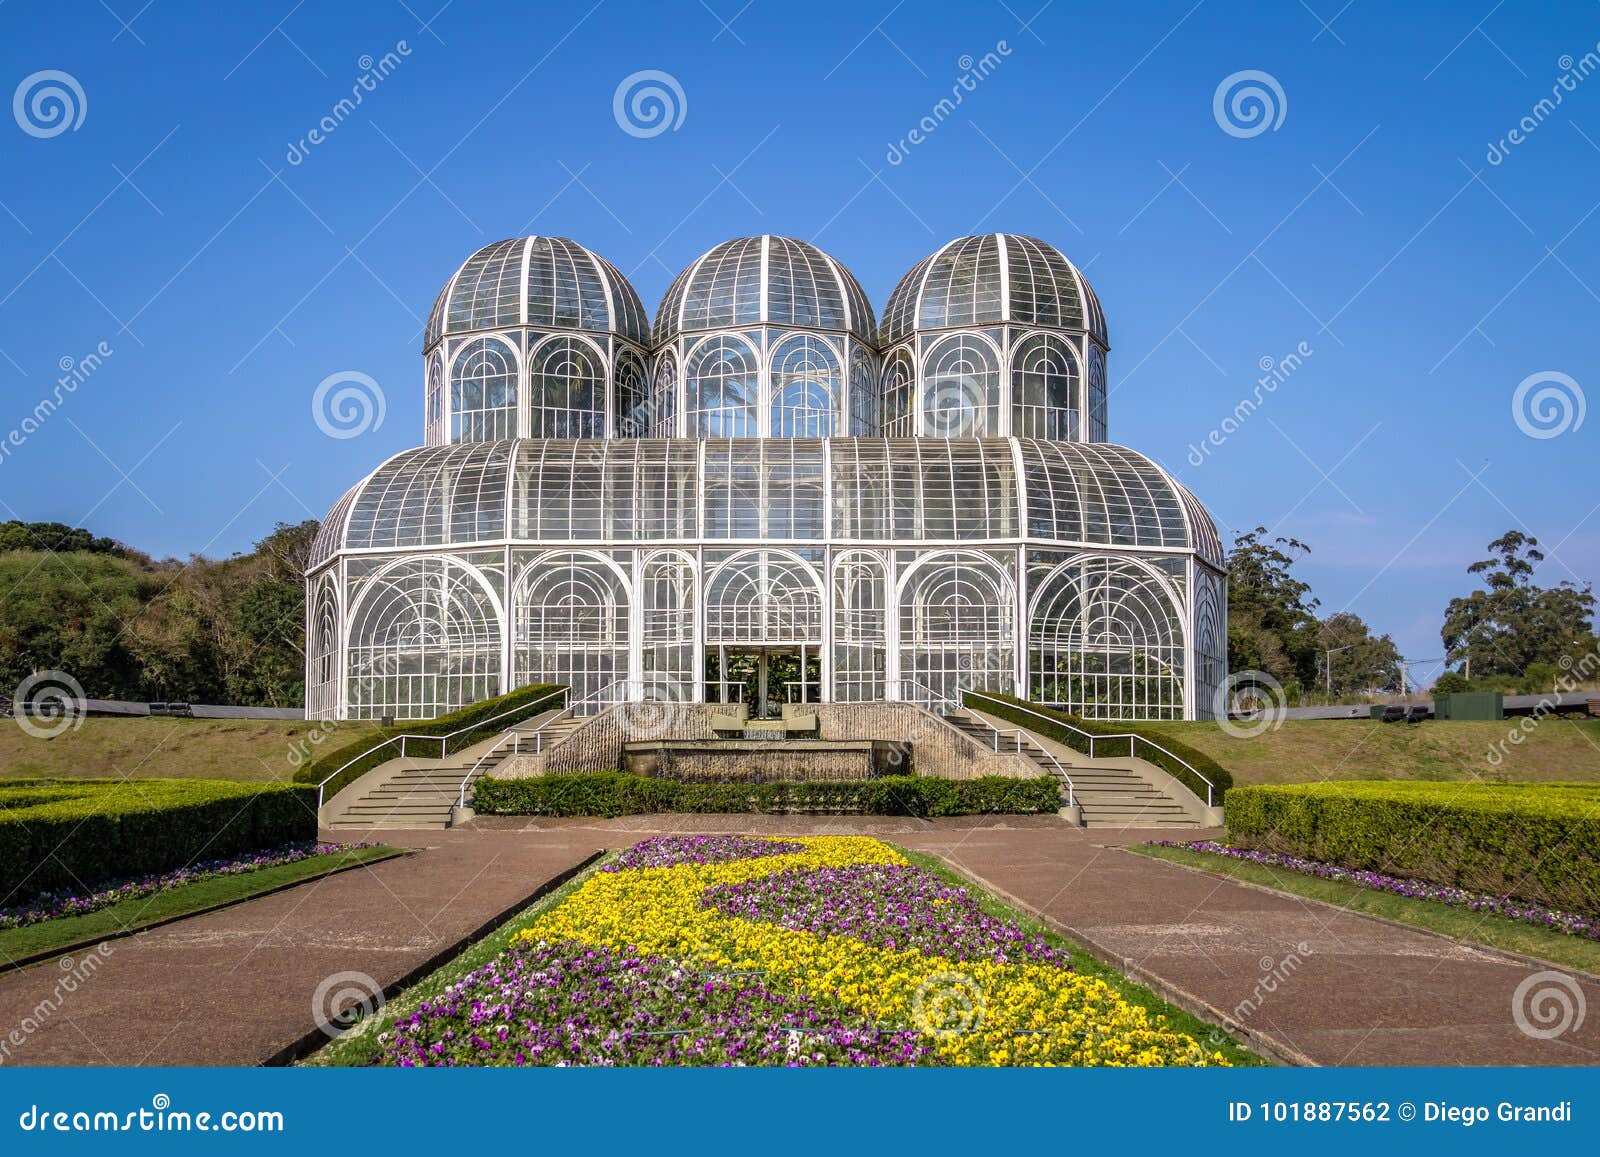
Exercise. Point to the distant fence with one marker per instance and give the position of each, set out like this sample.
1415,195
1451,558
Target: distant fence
125,708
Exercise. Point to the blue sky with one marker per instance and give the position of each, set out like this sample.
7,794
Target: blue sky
1369,224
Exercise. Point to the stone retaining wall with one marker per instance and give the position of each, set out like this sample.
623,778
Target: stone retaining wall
937,748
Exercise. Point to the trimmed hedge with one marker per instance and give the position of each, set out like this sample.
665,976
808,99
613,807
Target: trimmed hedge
1538,842
615,793
375,749
1221,780
66,834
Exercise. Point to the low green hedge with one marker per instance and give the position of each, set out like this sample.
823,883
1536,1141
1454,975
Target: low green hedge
375,749
1538,842
614,793
1006,708
69,834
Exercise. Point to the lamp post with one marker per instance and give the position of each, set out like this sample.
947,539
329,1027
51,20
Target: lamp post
1327,664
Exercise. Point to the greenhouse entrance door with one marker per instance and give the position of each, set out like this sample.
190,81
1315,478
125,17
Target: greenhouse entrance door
764,678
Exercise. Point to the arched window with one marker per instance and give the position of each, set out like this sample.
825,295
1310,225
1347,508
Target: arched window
565,391
434,421
322,691
899,376
1044,389
667,613
723,389
866,416
805,388
483,392
570,624
1106,641
764,598
860,627
631,413
1097,395
425,639
960,389
956,628
664,399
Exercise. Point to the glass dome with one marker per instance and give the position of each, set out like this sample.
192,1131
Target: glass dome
764,280
766,337
988,279
544,282
534,337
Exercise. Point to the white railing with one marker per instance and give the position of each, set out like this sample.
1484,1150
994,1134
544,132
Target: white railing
1024,742
601,698
442,740
1133,739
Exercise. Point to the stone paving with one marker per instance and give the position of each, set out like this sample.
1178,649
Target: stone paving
1307,982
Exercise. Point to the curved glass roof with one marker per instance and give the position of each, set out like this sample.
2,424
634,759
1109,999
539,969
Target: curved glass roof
991,278
874,490
544,282
764,280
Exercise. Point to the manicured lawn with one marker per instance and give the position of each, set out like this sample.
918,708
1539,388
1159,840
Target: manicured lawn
1476,927
189,900
239,749
1307,750
632,927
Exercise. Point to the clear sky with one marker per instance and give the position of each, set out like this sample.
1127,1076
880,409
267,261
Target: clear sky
1426,278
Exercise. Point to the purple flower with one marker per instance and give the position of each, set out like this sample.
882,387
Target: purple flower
670,851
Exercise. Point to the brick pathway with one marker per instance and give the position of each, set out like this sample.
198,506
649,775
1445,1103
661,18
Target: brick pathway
236,986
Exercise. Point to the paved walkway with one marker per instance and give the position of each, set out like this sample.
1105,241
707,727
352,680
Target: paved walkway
236,986
1323,986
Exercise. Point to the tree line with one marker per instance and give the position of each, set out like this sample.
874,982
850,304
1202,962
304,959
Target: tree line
1512,634
127,626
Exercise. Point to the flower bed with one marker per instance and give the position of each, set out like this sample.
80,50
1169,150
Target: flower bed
815,951
1571,923
54,905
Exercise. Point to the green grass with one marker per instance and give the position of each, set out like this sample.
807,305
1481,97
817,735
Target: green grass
1476,927
1303,750
1086,963
192,899
358,1045
259,750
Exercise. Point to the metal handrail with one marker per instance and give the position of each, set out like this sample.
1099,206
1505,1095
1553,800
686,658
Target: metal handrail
444,739
1020,736
516,737
1133,739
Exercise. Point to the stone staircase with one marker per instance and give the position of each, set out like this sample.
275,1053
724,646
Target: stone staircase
1109,796
420,793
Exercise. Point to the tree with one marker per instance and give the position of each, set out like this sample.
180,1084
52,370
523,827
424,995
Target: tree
1272,622
1514,623
1354,658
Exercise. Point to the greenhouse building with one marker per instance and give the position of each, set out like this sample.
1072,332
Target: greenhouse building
767,495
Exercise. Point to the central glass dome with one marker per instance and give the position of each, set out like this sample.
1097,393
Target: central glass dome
765,337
